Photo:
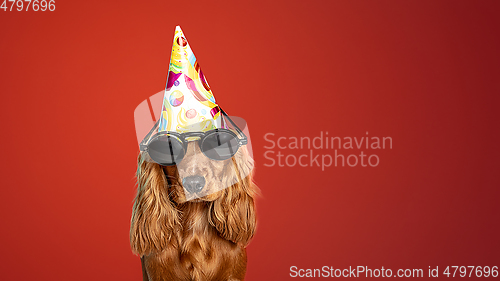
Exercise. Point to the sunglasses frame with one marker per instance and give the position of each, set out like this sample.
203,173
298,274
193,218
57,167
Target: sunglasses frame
143,146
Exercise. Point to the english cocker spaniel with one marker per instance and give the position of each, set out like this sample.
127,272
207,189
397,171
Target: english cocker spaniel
204,238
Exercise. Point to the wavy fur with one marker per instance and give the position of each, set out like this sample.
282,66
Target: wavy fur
202,240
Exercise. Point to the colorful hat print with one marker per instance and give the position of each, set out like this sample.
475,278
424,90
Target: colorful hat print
188,103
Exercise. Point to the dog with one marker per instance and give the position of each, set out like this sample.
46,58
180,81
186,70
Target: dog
203,239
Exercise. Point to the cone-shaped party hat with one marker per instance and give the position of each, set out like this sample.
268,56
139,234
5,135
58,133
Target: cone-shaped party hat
188,103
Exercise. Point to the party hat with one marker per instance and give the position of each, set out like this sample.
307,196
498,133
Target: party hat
188,103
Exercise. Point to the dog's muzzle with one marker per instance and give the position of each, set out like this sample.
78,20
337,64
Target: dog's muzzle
193,184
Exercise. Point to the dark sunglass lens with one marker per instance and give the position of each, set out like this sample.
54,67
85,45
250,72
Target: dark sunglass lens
166,150
220,145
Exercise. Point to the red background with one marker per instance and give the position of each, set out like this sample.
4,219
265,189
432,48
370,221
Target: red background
422,72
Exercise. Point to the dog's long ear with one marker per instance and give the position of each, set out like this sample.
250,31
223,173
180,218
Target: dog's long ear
233,213
154,217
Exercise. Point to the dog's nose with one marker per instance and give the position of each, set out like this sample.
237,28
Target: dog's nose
193,183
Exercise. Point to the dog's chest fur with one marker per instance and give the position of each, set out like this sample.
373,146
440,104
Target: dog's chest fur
197,251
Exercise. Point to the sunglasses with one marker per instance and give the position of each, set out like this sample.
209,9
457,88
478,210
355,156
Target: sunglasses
168,148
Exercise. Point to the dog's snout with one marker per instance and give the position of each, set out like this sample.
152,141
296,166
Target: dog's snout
194,183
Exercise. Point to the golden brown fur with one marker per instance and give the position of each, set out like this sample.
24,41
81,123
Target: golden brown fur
202,239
